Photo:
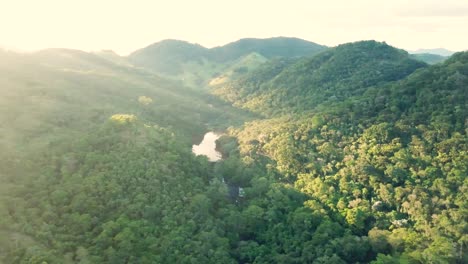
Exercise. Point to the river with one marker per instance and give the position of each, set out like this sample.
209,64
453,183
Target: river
208,147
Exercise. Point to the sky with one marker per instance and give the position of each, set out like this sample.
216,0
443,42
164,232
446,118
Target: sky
125,26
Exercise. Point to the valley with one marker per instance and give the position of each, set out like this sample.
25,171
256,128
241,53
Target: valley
349,154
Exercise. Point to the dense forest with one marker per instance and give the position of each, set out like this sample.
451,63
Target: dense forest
351,154
390,165
327,78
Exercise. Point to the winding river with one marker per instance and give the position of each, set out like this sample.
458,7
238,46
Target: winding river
208,147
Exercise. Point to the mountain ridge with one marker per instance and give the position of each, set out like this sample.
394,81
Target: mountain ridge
437,51
337,73
177,57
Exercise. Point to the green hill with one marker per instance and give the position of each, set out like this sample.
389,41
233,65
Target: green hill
82,140
68,89
167,56
333,75
196,65
269,48
113,57
390,162
239,67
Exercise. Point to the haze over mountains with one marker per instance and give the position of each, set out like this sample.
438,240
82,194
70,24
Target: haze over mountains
195,63
176,58
349,154
438,51
335,74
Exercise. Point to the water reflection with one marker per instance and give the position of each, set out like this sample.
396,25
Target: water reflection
208,147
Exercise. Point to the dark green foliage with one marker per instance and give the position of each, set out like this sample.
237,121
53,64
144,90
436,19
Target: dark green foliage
389,164
125,193
362,159
329,77
87,168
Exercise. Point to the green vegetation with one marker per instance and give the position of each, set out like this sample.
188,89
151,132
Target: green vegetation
437,51
168,56
329,77
197,65
124,194
83,142
123,118
360,157
145,100
383,169
239,67
429,58
269,48
67,91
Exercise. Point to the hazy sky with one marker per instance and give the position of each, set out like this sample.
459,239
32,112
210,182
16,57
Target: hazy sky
125,26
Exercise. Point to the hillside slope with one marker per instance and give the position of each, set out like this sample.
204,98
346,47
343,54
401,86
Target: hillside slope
92,155
69,90
429,58
167,56
269,48
390,162
197,65
333,75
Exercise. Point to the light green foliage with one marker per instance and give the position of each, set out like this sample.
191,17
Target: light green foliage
327,78
361,157
76,187
145,100
389,163
123,118
429,58
196,66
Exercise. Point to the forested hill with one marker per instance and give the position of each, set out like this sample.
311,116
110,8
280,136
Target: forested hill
360,156
196,65
168,56
269,48
95,163
331,76
390,163
69,90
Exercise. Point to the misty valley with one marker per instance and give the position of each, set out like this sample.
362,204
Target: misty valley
276,150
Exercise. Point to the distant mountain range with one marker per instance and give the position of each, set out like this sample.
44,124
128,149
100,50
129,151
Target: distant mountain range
166,55
333,75
196,64
437,51
429,58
